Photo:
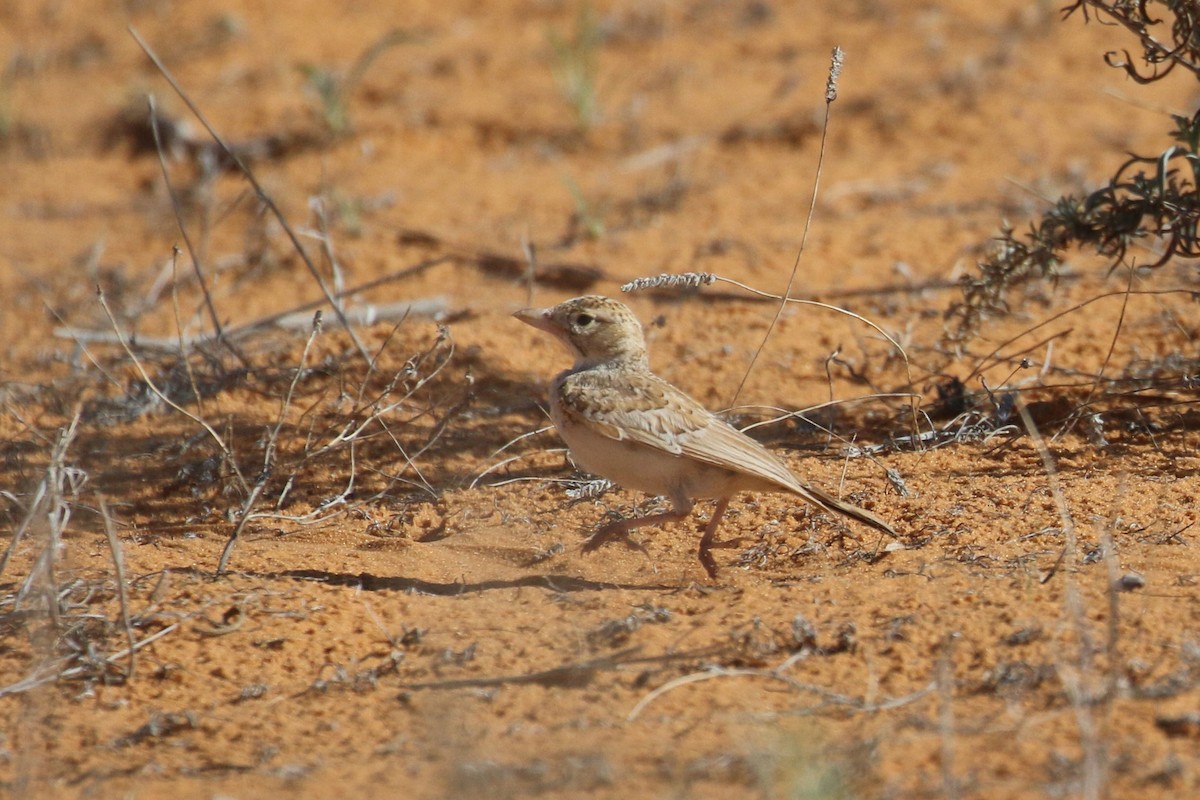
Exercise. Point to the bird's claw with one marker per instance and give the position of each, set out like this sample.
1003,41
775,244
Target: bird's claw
728,544
606,535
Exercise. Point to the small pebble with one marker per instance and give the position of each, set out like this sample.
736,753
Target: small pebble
1130,581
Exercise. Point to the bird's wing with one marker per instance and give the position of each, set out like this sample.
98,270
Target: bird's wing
720,444
631,405
640,407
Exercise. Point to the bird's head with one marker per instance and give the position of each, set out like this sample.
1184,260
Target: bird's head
596,329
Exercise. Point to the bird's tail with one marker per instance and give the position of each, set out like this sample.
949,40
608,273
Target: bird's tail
828,502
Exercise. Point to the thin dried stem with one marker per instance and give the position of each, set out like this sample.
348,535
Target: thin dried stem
778,674
1094,767
263,197
178,210
183,354
830,96
114,545
269,450
216,437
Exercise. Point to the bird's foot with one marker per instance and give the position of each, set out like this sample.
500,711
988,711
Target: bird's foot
612,533
706,559
728,544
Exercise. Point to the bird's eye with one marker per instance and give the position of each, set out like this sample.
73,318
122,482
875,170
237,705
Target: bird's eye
583,320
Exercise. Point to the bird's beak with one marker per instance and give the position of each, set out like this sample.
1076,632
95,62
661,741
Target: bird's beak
538,318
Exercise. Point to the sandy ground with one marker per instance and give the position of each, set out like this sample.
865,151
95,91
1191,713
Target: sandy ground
407,611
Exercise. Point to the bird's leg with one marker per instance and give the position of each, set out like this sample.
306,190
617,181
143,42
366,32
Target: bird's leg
706,541
619,530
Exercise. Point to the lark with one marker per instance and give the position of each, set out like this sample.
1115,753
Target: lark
624,423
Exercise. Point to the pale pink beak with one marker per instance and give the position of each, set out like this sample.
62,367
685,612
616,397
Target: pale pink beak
538,318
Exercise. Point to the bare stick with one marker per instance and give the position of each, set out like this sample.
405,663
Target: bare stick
1125,293
227,551
945,685
693,279
510,460
530,252
58,513
697,279
48,492
50,673
365,315
263,197
1075,689
269,450
317,204
1060,500
114,544
362,389
1113,567
81,338
416,269
856,703
183,354
1112,346
835,71
187,240
225,451
31,513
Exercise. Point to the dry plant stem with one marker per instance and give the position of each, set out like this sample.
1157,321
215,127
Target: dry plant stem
114,544
830,95
326,241
527,247
427,307
451,413
187,240
362,387
777,674
216,437
269,450
782,414
1060,500
415,269
945,686
350,433
986,361
258,190
81,338
48,492
183,355
1094,765
1112,346
705,278
53,672
1019,357
362,390
1112,567
58,513
227,551
500,464
349,436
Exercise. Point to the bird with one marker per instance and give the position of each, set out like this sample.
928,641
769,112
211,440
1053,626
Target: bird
624,423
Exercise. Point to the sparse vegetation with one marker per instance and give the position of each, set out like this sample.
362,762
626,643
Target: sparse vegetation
332,88
576,61
1151,202
247,548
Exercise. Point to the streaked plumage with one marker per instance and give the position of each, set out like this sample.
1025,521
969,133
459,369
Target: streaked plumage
624,423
